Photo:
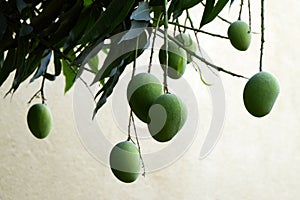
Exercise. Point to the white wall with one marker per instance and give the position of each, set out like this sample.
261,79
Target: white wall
254,159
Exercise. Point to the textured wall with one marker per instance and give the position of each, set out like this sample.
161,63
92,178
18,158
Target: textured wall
254,159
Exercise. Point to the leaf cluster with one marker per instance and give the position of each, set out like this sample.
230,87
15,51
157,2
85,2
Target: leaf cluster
70,33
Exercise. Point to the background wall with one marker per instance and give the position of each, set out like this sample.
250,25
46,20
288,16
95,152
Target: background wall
254,159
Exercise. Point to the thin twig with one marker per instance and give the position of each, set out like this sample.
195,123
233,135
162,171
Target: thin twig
166,45
198,30
241,9
249,12
40,91
262,36
129,128
139,146
153,42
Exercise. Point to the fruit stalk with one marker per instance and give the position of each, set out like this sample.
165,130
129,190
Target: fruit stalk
262,35
166,45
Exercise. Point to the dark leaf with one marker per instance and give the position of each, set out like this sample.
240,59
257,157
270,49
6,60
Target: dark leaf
20,64
21,5
121,64
86,19
43,66
57,65
8,65
25,30
3,24
178,6
118,52
211,11
156,2
109,86
114,14
67,21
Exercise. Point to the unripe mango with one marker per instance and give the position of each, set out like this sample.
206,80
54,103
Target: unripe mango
167,116
260,94
188,43
125,161
239,35
142,90
39,120
177,59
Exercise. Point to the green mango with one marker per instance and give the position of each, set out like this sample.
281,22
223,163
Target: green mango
188,43
239,35
167,116
39,120
177,59
260,94
142,90
125,161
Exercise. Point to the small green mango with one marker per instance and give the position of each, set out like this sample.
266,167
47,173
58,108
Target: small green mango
167,116
125,161
239,35
260,94
142,90
188,43
39,120
177,59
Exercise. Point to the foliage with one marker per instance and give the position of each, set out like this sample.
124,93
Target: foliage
32,32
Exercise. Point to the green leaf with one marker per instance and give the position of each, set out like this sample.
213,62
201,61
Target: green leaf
70,73
109,19
87,2
93,63
108,87
211,11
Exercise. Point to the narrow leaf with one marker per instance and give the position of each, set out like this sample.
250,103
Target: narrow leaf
43,66
177,7
21,5
3,25
137,27
70,73
8,65
114,14
57,65
25,29
207,11
93,63
142,13
211,13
